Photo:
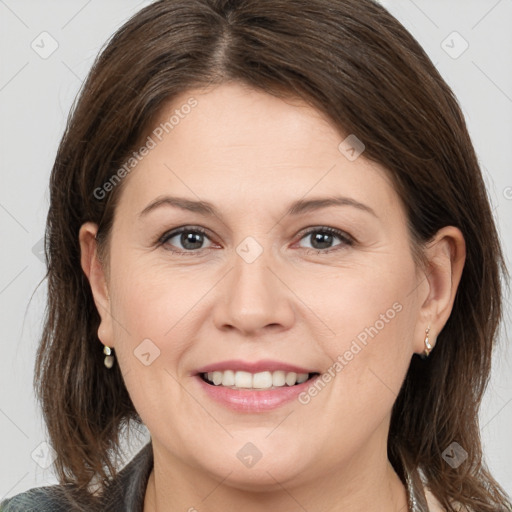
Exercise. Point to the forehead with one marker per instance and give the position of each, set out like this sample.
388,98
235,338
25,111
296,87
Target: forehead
233,143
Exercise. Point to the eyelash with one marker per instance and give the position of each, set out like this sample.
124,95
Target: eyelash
346,240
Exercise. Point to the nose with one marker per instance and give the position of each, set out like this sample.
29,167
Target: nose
254,299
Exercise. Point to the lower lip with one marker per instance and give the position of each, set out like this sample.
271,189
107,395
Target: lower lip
248,400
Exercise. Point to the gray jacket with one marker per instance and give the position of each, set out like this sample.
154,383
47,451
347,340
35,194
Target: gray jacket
124,494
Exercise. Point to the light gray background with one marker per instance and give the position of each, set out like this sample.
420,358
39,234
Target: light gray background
35,96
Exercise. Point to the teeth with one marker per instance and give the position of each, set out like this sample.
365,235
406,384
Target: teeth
243,380
228,379
302,377
291,378
279,378
261,380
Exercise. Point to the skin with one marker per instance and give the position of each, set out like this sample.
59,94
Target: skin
251,155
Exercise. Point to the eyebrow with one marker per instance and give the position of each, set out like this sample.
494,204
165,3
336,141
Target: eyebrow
296,208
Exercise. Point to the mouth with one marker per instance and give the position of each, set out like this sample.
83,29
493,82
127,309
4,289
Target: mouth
260,381
253,386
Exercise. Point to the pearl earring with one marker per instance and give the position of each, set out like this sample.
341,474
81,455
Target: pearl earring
109,358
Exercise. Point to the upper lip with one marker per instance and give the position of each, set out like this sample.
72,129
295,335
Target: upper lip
253,366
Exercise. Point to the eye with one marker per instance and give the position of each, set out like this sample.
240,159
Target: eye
322,238
191,239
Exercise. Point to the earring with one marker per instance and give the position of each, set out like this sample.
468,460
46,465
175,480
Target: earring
109,358
428,345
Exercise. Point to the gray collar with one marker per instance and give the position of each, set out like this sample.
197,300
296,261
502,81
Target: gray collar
128,490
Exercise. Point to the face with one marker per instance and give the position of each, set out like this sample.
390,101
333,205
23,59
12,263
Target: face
300,263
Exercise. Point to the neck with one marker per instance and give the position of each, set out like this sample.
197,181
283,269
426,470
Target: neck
366,482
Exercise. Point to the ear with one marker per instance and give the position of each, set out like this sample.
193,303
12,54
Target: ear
93,268
446,255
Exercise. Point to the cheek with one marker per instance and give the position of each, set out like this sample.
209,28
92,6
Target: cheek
371,316
150,301
146,309
370,356
151,340
369,304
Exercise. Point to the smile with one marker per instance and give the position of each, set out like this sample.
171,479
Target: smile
238,379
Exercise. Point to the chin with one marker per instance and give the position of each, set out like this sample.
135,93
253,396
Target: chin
264,478
253,469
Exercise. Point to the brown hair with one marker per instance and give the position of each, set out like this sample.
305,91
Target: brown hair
351,60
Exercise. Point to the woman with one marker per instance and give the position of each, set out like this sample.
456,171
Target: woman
269,242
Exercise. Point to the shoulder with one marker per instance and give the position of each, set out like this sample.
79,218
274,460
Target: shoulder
55,498
125,492
128,489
